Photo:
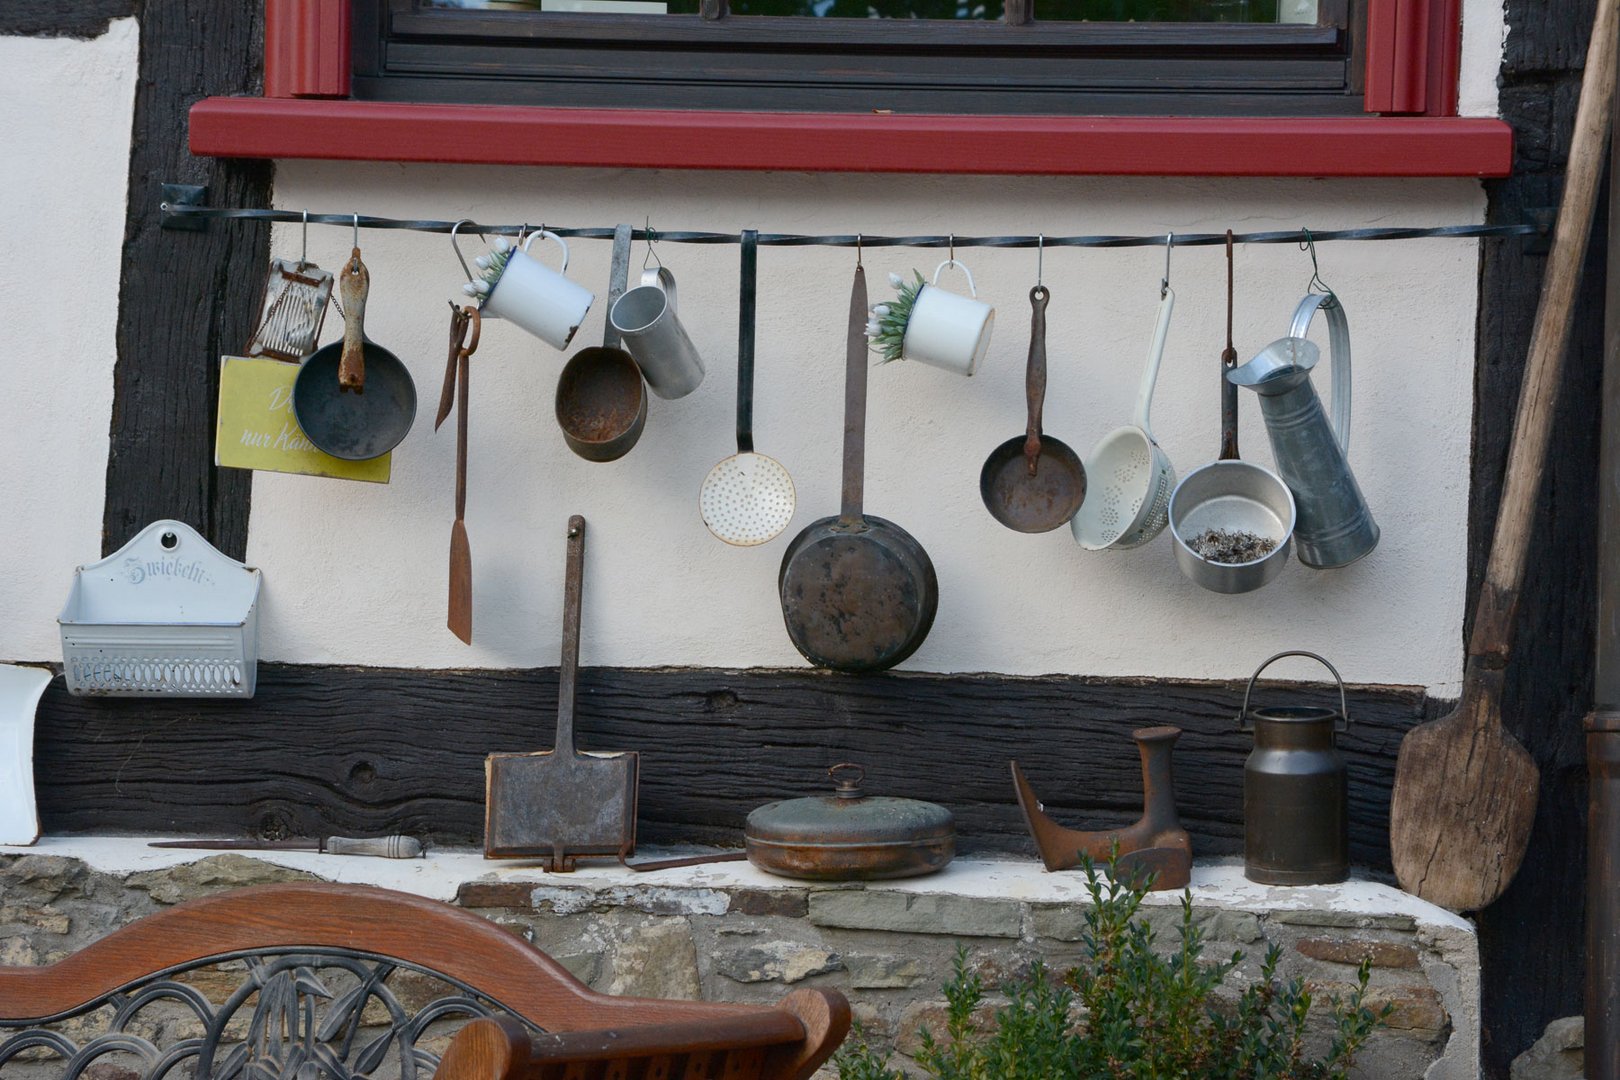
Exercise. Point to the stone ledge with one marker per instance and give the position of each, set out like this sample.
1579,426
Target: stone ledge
729,932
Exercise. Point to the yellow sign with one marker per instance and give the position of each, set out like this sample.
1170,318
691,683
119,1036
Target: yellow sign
257,429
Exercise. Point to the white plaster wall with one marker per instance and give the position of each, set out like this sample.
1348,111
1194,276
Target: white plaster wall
356,573
1484,35
64,168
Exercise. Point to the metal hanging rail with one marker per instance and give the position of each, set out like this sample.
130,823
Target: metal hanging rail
179,215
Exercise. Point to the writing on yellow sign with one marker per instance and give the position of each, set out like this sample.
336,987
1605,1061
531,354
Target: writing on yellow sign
257,429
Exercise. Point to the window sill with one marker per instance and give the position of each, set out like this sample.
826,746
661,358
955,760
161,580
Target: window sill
824,142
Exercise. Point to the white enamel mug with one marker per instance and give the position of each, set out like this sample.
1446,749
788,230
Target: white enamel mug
541,300
946,329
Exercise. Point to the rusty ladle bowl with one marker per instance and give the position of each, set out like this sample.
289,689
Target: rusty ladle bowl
601,398
1033,483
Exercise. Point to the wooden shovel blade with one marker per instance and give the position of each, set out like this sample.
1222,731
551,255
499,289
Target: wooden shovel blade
559,806
1465,797
460,621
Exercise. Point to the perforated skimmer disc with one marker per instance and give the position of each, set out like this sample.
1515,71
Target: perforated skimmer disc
747,499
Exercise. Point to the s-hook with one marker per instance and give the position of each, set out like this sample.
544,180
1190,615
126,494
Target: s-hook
1316,284
1164,282
1040,258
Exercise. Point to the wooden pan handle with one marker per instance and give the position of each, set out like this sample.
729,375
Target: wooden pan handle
1549,340
356,286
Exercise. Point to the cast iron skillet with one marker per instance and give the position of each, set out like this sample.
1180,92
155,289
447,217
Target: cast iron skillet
376,416
1032,482
858,592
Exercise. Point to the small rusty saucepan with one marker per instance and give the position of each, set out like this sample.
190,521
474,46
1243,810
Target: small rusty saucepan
601,398
353,398
1033,483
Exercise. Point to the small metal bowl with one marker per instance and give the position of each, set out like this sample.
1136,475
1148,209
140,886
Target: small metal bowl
1236,496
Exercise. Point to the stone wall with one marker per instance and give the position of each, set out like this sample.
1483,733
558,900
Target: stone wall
727,932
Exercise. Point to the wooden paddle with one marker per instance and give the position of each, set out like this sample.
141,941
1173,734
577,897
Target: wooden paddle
1465,790
462,346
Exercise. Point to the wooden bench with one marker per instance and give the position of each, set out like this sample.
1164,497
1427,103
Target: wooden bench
308,970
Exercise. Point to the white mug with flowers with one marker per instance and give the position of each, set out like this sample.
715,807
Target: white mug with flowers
932,325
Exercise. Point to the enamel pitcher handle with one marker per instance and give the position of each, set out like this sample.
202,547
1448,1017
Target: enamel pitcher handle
1339,353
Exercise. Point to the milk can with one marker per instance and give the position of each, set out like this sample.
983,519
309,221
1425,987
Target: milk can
1296,828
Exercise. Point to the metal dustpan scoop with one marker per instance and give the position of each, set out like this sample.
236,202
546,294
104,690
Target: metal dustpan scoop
560,804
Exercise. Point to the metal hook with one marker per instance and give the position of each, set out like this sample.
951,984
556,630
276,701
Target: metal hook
303,254
652,238
1040,258
1164,282
457,248
1316,283
952,255
859,237
357,230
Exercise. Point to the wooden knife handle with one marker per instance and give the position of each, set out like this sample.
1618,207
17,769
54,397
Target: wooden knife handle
383,847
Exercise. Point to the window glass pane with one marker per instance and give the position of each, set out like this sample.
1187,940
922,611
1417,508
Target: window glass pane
1246,11
1158,11
838,9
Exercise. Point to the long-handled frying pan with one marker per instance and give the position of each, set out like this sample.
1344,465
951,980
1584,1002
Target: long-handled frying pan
1465,790
858,592
376,417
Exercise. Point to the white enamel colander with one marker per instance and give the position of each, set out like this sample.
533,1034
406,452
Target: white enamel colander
1131,478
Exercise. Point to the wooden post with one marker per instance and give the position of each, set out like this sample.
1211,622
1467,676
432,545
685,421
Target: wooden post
1603,725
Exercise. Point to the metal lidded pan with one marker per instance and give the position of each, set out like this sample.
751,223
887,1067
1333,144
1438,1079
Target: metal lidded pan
601,398
1033,483
353,398
858,592
748,498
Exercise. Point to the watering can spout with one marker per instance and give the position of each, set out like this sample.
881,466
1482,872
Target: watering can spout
1279,366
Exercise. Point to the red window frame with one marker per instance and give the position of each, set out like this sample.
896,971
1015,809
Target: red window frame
1413,50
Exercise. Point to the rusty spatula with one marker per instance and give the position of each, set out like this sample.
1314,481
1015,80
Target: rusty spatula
462,346
560,804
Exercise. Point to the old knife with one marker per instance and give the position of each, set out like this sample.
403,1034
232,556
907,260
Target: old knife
385,847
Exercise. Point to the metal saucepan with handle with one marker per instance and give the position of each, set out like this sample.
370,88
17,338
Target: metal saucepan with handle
858,592
748,498
377,415
1032,482
1131,477
1232,521
601,399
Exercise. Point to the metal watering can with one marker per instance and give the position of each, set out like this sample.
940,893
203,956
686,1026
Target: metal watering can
1334,527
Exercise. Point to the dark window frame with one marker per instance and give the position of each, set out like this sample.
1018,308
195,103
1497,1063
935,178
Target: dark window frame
406,52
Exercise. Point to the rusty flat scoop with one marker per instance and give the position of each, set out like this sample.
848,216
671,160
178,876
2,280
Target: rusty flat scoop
1156,843
560,804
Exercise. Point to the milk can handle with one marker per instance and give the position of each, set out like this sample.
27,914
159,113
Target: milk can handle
1339,355
1344,708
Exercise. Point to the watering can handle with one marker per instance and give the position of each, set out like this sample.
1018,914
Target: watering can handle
1339,352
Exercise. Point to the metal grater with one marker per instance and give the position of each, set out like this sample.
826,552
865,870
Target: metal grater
295,299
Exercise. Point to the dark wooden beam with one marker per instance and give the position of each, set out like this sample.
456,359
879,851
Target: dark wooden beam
62,18
185,297
362,751
1531,939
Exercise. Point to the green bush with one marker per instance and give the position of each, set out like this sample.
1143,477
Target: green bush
1139,1014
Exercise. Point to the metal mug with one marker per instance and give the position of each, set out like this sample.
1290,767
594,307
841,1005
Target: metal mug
948,330
541,300
1296,824
653,334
